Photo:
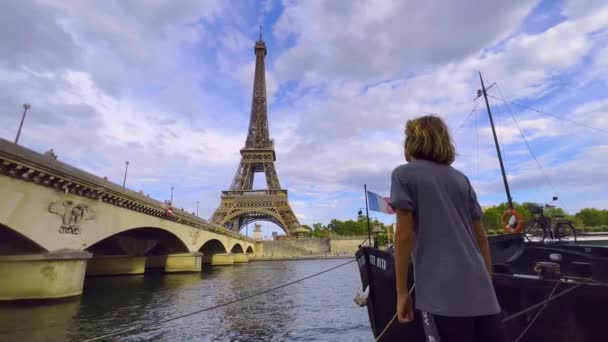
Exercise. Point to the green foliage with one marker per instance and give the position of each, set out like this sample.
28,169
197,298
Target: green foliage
588,217
596,229
491,216
345,228
593,217
382,239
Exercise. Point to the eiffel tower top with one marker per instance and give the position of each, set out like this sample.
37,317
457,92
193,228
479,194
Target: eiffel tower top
258,136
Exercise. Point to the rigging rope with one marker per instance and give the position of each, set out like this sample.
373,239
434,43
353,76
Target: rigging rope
538,313
549,114
530,148
477,151
468,116
142,326
392,319
550,298
502,140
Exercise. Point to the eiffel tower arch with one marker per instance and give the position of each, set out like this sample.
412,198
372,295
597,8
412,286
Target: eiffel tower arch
241,204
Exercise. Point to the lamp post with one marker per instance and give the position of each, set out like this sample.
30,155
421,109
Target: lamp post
196,208
171,194
25,108
124,180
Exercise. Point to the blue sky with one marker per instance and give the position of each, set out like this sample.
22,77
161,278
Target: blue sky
167,86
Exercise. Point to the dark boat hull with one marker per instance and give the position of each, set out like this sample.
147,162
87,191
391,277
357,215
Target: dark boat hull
576,316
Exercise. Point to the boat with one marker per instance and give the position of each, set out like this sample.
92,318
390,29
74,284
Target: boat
547,291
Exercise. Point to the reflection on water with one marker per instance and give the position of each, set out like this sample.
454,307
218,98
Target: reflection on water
318,309
37,323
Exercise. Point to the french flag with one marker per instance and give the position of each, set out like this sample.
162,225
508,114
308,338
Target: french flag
379,203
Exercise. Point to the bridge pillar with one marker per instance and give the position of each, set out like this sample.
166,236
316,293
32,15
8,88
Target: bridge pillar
218,259
116,265
240,258
258,248
42,276
184,262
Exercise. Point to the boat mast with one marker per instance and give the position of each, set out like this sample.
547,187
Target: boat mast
502,167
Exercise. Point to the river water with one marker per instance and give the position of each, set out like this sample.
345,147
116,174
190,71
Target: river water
317,309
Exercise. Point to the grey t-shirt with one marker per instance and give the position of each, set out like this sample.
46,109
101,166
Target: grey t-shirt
449,270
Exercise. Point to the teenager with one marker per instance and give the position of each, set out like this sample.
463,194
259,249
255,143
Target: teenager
439,225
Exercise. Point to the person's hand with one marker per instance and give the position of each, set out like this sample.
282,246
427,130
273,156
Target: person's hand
405,310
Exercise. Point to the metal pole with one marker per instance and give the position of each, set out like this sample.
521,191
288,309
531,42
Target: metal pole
25,108
502,167
369,231
124,180
196,208
171,194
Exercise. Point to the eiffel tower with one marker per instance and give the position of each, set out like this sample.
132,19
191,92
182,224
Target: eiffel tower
241,204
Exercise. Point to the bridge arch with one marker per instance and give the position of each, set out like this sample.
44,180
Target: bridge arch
251,215
249,250
237,248
14,243
139,241
213,246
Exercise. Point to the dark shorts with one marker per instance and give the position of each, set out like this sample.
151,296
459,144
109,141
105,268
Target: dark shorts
463,329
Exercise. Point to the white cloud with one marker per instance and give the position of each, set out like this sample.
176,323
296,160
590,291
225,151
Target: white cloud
167,85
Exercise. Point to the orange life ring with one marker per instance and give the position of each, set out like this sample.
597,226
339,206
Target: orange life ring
504,221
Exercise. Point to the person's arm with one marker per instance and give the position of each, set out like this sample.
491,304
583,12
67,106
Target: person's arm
404,241
480,233
482,241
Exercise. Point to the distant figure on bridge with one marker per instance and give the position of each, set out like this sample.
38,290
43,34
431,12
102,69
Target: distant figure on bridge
50,154
439,224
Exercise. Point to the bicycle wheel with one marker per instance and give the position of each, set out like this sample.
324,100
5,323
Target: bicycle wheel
534,232
566,232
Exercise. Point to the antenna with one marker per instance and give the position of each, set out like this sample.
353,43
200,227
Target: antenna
260,32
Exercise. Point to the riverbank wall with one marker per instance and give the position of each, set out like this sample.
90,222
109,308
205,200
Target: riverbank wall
315,248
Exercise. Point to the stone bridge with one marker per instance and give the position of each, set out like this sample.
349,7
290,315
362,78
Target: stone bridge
58,223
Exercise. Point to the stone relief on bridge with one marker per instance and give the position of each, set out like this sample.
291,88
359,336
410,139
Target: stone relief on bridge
194,233
72,215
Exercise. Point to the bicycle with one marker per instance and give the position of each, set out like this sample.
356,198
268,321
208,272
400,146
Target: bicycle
555,228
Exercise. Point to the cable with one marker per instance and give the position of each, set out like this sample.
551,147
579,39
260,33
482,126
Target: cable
392,319
142,326
538,313
477,151
529,147
530,308
468,116
545,302
549,114
500,113
386,328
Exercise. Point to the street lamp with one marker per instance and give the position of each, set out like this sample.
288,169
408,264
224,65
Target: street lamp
196,208
25,108
124,180
171,194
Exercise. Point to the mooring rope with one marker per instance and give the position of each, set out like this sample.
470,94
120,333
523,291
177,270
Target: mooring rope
538,313
550,298
143,326
542,304
392,319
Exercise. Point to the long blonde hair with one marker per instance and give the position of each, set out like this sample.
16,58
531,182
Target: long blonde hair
428,137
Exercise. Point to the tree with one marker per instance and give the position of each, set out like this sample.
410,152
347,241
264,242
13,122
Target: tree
593,217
